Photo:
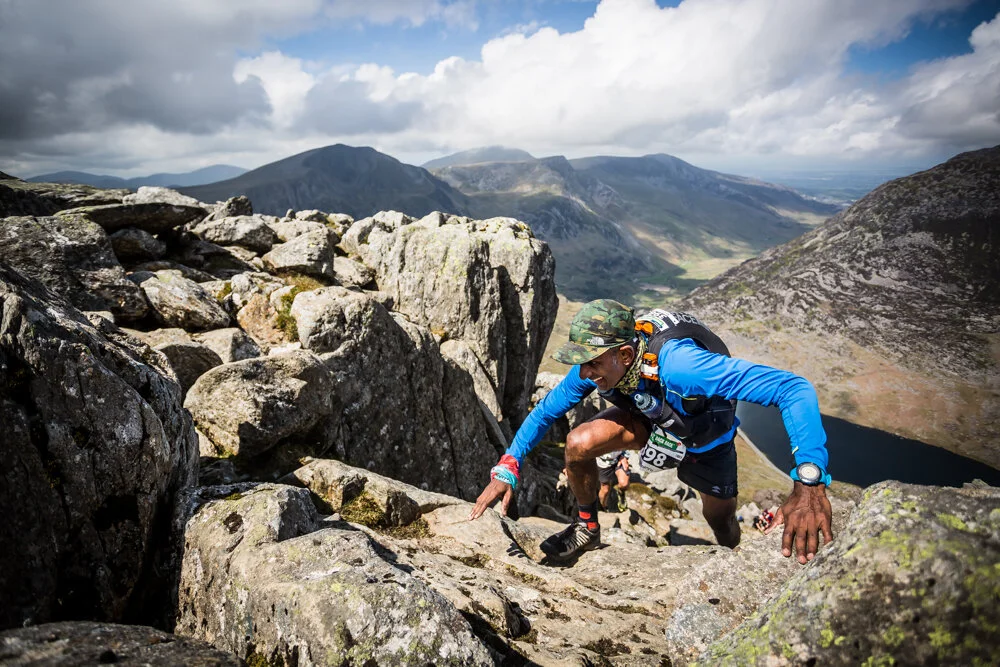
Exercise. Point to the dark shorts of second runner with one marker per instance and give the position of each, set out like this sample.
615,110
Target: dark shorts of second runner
607,475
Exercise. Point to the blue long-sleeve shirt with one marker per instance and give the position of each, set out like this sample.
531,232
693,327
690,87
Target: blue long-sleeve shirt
686,369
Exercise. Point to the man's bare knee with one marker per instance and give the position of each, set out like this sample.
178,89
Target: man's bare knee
580,445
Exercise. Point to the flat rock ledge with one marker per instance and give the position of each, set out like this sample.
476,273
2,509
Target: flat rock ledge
73,643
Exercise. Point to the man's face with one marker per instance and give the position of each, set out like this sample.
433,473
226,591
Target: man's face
607,369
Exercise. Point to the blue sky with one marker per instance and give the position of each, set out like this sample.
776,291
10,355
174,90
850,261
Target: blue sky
409,48
748,86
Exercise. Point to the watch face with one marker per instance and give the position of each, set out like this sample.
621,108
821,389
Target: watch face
809,472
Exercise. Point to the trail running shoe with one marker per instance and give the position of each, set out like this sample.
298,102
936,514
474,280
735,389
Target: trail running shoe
622,502
571,542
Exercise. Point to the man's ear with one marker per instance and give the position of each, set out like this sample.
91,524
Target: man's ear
628,354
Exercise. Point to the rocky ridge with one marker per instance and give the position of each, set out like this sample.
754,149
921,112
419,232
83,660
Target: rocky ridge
344,421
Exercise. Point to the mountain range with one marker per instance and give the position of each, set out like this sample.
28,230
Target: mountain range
216,172
631,228
891,308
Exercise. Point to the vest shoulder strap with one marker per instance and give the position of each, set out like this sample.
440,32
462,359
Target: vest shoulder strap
662,325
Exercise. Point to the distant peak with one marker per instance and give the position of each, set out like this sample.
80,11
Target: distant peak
479,156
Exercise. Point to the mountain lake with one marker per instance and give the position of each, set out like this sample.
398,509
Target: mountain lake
862,455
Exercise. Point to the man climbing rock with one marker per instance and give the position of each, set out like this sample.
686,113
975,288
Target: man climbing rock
673,389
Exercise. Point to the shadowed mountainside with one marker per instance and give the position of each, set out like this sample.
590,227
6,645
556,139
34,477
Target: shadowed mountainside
357,181
892,307
640,229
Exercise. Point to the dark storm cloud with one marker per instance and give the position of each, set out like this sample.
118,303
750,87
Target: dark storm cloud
84,65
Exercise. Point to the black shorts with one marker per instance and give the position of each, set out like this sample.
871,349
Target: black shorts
712,472
607,475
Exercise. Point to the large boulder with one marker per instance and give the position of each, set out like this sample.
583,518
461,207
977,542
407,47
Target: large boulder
913,580
151,216
231,344
232,207
19,197
73,257
73,643
310,254
148,194
264,578
408,411
249,407
96,446
180,302
487,282
248,231
188,358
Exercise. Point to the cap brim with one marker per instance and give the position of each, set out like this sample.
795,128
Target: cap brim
574,353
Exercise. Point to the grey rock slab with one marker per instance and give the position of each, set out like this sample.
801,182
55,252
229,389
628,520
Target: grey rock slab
311,254
166,265
73,643
232,207
489,283
96,447
189,359
231,344
336,483
261,578
248,407
289,229
408,411
153,217
73,257
188,249
249,231
912,579
311,215
179,302
147,194
19,197
352,273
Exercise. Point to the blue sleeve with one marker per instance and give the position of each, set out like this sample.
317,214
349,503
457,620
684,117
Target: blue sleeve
689,370
570,391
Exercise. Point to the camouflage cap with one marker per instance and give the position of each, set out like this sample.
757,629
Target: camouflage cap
600,325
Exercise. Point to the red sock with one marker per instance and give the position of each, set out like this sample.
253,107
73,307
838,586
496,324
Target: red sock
588,515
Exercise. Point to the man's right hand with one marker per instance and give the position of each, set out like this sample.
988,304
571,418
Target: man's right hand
490,494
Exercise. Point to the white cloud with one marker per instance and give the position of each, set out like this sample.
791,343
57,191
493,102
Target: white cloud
709,77
283,79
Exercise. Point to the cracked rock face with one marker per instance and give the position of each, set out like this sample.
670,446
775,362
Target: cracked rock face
489,283
913,580
96,446
73,257
263,577
407,411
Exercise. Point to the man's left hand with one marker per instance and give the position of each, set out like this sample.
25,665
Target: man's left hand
805,514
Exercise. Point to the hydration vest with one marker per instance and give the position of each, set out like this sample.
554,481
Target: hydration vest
708,417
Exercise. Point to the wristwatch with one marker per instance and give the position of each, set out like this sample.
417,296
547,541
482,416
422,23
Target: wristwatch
810,474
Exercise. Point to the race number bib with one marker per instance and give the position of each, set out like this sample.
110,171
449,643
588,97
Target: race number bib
662,450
